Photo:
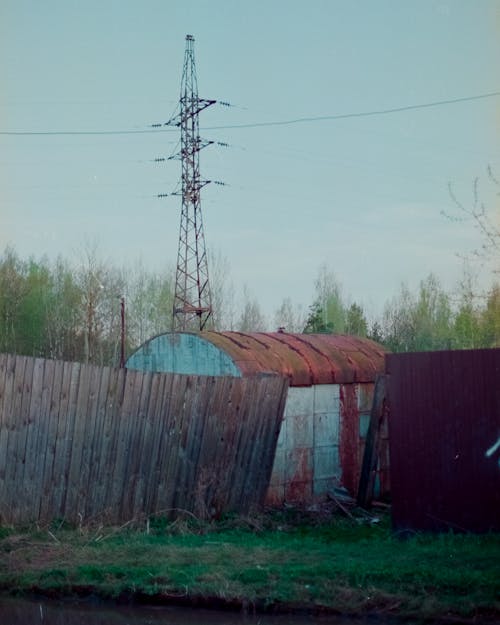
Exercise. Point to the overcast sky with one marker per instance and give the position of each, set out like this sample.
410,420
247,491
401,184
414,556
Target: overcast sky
363,194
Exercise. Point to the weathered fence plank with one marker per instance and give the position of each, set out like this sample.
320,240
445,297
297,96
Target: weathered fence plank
84,443
54,382
22,402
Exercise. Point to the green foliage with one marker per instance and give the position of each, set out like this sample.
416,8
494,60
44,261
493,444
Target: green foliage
466,328
356,324
490,319
428,321
418,323
317,322
329,313
55,310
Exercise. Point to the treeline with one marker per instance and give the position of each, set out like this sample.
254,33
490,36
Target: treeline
73,312
56,310
428,319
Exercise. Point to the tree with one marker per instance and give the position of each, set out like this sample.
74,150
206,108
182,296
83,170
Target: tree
398,328
34,310
149,303
466,323
12,291
222,290
316,322
482,218
376,332
490,319
101,287
327,313
289,317
419,323
251,318
356,323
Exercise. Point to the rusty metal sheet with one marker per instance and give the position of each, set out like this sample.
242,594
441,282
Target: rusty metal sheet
349,437
444,428
306,359
299,475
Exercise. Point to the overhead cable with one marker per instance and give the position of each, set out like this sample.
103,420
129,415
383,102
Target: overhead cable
299,120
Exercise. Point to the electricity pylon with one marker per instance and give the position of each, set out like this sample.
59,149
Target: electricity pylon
192,299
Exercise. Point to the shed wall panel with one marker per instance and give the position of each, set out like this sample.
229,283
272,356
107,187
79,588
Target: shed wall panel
300,401
326,398
326,429
327,465
308,445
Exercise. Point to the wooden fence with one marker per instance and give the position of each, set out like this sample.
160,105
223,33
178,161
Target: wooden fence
87,443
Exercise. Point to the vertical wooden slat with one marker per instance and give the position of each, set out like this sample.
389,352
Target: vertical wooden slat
8,393
166,441
53,384
86,490
41,420
21,413
111,433
138,408
117,449
82,442
128,411
149,450
31,457
143,443
194,420
172,465
64,431
199,421
79,457
95,504
70,447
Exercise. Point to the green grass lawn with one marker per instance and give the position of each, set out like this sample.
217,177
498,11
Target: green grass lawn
271,562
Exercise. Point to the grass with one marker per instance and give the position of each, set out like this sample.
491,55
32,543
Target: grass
280,561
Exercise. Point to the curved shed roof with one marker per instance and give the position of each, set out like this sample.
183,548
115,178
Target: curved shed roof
305,358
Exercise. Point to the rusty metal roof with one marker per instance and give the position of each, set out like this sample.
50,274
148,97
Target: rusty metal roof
306,359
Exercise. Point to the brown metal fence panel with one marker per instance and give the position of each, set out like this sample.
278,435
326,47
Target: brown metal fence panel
86,443
444,430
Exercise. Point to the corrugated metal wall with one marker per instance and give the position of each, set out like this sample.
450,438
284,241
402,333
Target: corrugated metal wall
327,410
444,430
306,464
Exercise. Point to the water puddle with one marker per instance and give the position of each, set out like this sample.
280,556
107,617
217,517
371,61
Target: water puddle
31,612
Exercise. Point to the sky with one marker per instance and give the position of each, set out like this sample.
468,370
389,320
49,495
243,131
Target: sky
362,194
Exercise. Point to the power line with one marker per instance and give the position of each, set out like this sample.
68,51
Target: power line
398,109
82,132
286,122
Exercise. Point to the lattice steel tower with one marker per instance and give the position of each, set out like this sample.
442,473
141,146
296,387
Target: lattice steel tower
192,300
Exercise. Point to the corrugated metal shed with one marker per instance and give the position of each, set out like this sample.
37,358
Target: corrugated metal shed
331,380
306,359
445,439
